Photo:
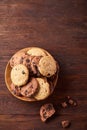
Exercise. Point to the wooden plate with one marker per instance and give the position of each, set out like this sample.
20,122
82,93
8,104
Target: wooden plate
8,79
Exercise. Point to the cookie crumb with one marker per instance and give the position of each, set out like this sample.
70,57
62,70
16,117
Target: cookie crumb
74,104
64,104
65,123
71,102
68,97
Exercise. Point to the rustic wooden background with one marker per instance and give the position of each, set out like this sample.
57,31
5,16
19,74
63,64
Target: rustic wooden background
59,26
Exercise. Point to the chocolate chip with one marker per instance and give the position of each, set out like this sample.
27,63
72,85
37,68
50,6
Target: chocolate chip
48,74
27,60
26,92
65,123
15,89
23,72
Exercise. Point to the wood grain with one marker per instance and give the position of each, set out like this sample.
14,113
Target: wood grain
60,27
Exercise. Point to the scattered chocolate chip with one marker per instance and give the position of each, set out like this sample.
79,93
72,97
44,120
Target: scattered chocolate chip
64,104
65,123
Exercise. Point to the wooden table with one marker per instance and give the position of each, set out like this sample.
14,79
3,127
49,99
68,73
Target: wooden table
59,26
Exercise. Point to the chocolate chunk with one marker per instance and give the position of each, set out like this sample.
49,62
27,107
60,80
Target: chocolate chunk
46,111
65,123
30,89
27,60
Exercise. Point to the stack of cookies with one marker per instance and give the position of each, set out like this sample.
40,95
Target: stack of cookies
31,74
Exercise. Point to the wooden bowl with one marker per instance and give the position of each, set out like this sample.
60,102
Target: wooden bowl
8,79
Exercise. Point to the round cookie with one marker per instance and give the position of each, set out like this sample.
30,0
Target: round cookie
17,59
36,52
47,66
30,89
44,89
19,75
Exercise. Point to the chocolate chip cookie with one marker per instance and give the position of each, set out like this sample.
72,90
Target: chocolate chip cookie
30,88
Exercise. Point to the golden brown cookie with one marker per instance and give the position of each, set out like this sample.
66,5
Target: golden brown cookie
36,52
44,89
19,75
47,66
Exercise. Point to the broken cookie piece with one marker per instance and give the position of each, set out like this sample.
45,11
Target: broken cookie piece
71,101
65,123
46,111
64,104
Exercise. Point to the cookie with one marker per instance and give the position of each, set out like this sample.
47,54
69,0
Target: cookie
15,89
36,52
47,66
46,111
19,75
31,88
17,59
33,66
44,89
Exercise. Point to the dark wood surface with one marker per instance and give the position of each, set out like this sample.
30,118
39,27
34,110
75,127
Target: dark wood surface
60,27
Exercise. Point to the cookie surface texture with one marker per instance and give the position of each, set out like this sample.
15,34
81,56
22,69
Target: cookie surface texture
36,52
